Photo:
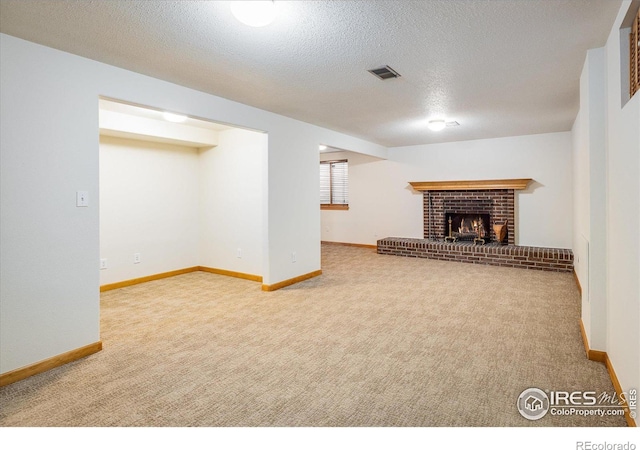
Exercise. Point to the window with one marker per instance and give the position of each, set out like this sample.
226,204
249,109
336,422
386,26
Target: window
334,185
634,56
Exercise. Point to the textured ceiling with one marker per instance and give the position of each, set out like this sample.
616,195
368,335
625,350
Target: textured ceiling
499,67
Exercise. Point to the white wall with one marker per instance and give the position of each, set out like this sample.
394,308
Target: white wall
231,202
50,249
623,218
49,294
382,203
581,233
589,166
361,223
606,140
149,204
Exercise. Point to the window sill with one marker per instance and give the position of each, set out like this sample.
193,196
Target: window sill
335,207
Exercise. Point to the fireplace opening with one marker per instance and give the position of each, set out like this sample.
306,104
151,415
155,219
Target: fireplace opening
467,227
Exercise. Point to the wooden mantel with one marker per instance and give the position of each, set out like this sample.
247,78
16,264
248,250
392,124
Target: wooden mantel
467,185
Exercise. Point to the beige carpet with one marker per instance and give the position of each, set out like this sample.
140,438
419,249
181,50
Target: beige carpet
375,341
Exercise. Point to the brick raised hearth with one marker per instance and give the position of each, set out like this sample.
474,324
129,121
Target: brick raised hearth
551,259
493,197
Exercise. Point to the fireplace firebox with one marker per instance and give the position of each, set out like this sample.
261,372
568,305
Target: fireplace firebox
468,227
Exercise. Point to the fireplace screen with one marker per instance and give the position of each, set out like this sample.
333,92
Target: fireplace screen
467,227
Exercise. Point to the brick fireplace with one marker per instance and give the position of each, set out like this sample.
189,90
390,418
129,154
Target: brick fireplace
494,201
497,203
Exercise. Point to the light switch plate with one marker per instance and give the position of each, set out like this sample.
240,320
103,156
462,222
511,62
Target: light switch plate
82,198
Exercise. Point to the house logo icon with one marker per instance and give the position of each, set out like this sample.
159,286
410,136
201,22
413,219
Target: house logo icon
533,404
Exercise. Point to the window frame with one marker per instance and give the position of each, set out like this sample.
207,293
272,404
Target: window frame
331,205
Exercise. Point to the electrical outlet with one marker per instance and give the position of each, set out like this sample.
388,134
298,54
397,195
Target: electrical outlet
103,263
293,257
239,253
136,258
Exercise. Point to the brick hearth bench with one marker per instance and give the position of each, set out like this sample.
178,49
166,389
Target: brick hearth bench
552,259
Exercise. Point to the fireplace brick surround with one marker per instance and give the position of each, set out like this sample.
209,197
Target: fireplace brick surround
494,197
499,203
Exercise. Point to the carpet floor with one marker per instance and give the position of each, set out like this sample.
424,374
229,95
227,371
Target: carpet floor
375,341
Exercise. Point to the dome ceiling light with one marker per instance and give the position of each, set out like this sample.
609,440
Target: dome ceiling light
441,124
171,117
258,13
437,125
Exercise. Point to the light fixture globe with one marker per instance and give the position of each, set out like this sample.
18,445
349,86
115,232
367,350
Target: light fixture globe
171,117
437,125
258,13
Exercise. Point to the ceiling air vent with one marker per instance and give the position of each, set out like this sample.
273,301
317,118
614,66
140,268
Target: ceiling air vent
385,73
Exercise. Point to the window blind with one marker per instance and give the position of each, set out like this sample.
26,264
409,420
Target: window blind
334,183
634,56
325,184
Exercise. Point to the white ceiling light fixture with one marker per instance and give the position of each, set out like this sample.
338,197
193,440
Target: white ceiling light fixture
322,147
171,117
437,125
258,13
